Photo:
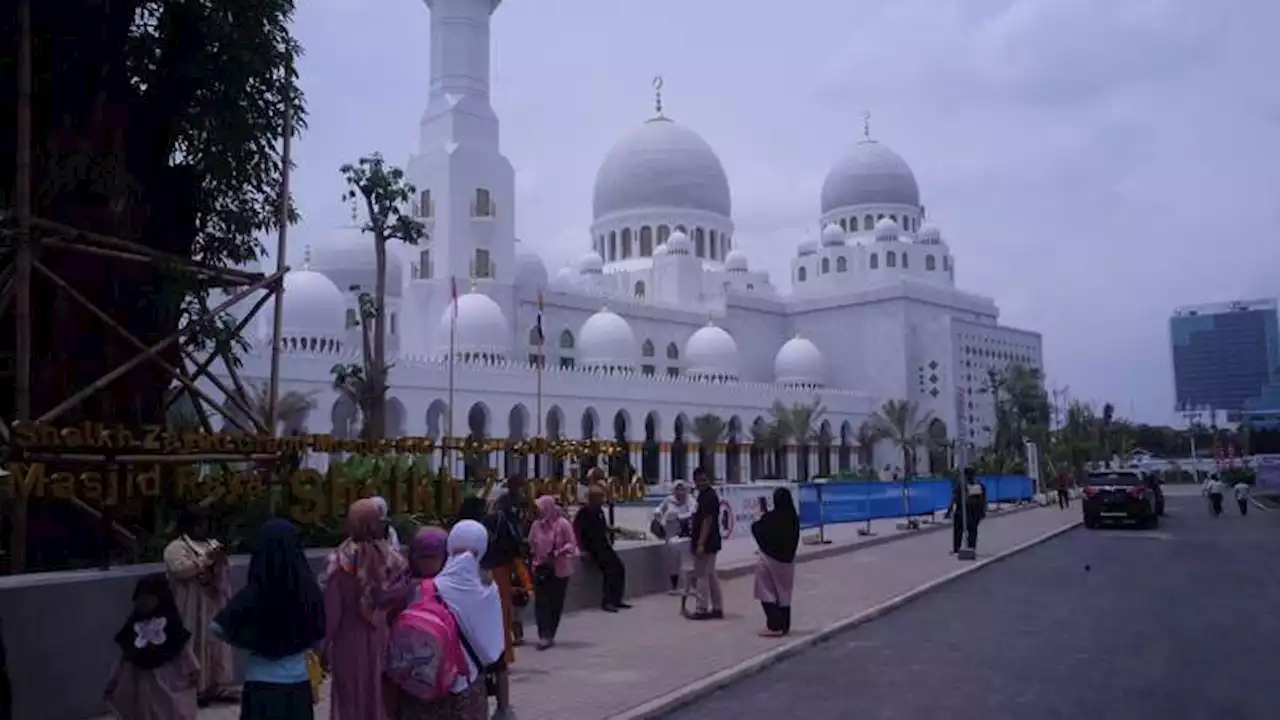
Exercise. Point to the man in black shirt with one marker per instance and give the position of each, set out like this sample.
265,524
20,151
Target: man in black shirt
595,537
706,545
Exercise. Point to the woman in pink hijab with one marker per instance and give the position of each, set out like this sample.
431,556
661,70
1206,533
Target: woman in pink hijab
359,583
553,548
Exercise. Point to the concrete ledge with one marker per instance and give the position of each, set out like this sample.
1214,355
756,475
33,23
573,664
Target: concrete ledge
692,692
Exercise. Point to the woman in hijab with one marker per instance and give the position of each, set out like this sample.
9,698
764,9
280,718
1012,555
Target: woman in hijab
199,574
777,533
157,675
553,547
428,550
473,598
359,587
277,617
384,512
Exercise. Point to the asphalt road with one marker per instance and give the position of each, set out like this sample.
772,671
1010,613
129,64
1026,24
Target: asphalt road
1180,623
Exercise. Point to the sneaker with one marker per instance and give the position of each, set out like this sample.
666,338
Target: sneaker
546,644
501,714
675,592
717,614
609,608
704,615
623,606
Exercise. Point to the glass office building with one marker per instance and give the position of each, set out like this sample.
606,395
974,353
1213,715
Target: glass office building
1226,356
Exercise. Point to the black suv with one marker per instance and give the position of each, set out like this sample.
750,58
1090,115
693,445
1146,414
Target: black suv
1122,495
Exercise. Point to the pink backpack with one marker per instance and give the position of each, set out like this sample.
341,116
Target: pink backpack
424,655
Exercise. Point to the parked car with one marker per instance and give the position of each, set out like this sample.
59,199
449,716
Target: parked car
1121,495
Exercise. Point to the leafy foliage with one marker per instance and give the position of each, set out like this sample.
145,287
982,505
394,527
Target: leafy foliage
901,423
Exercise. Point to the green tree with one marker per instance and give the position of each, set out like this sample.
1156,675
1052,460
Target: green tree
796,426
711,430
385,194
901,423
869,433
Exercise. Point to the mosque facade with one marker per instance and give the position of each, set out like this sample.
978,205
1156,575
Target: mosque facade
662,319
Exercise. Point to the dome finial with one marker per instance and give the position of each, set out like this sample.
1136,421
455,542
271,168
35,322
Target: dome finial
711,319
657,97
472,286
306,258
866,125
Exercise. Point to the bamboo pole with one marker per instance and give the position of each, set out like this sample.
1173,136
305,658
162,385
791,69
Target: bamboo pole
7,287
202,367
277,320
132,340
22,279
176,336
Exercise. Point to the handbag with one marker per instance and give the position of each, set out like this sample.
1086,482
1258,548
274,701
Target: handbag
657,530
315,675
544,572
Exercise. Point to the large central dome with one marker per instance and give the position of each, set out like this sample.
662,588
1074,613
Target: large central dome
661,164
871,174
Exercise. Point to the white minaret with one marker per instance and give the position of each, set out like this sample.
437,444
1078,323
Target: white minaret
466,187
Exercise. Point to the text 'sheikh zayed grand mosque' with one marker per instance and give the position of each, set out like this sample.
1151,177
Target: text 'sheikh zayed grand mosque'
663,318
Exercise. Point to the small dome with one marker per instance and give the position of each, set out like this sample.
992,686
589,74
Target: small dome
661,251
346,256
530,270
591,264
481,329
806,248
929,235
736,262
871,174
887,229
660,165
799,362
712,352
679,244
832,235
564,275
313,306
606,341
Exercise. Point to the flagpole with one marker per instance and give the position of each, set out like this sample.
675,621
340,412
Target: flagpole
453,339
542,360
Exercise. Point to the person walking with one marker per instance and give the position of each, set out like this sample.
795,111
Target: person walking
504,520
968,508
358,583
1241,491
158,674
671,523
1213,488
552,549
777,534
595,537
473,597
278,617
508,526
707,541
198,572
1064,491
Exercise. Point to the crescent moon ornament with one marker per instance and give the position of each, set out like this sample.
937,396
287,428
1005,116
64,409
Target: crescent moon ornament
657,82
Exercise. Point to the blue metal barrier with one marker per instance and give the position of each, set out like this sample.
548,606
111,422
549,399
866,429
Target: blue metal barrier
844,502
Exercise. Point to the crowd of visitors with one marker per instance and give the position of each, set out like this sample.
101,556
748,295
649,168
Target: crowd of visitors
426,631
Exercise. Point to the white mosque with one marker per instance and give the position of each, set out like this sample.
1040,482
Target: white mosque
661,320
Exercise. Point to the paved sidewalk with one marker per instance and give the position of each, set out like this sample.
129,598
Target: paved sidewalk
607,664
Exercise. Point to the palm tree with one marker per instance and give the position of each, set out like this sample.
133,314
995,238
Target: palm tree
768,439
901,422
796,427
711,430
869,433
292,406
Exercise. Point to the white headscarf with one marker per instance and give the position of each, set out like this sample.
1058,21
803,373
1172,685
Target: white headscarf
475,604
393,538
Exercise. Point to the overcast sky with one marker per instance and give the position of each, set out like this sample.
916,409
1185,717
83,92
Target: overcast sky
1092,163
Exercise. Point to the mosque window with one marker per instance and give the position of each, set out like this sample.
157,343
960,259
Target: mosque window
648,370
853,224
905,264
626,243
480,266
801,275
393,323
639,289
646,350
875,261
682,229
893,218
867,222
673,352
946,263
712,248
424,265
613,247
483,205
566,340
750,287
537,359
533,337
826,265
728,243
352,320
566,363
879,217
673,372
929,263
842,264
891,259
646,241
426,208
664,232
699,242
844,224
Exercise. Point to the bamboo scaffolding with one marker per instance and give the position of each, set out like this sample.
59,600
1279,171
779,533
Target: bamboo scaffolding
202,367
22,274
277,318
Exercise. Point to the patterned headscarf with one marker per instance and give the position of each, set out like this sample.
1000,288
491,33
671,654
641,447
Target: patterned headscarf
367,555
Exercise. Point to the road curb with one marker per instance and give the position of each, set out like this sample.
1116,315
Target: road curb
828,552
692,692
